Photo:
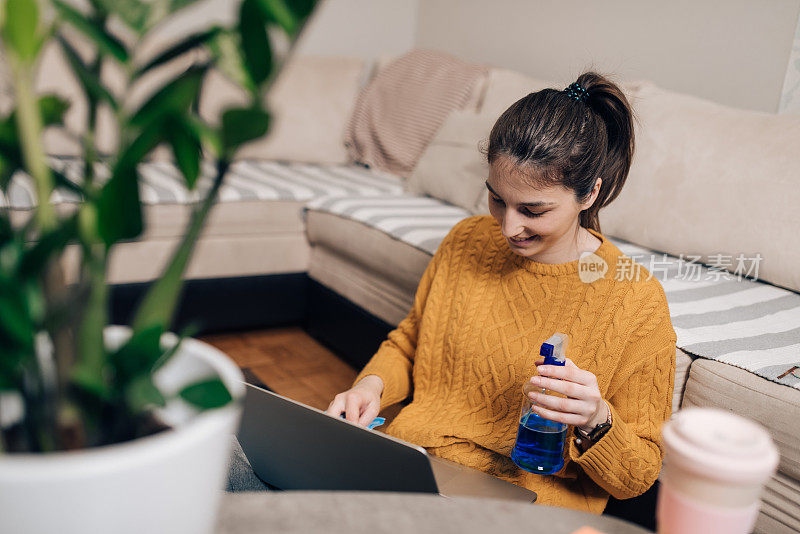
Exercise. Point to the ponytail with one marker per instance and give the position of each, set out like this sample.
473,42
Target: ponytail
571,138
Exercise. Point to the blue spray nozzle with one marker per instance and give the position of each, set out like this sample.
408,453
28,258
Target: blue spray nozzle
554,349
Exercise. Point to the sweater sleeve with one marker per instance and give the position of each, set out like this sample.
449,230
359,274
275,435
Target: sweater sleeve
626,461
393,362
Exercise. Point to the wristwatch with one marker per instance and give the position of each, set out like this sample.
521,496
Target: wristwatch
584,440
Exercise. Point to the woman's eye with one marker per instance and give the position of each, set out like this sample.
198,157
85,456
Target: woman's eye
529,213
524,211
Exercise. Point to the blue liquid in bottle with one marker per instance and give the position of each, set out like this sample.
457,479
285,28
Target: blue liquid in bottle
540,445
540,442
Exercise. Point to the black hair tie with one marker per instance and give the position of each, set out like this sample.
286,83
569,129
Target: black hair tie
577,92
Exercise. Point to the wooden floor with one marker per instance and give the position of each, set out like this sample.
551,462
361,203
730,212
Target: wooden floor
289,362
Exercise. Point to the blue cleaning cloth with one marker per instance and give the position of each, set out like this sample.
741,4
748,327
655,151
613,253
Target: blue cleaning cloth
378,421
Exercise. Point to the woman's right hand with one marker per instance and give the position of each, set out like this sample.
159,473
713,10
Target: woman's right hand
361,403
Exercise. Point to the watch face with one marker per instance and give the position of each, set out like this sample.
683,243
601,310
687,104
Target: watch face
599,431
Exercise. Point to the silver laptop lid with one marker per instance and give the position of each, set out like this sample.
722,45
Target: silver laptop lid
296,447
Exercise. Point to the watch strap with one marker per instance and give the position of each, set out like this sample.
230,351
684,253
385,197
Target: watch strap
598,431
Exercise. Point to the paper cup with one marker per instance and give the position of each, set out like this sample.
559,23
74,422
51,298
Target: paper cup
715,466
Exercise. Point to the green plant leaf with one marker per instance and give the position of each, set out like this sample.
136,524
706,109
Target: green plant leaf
134,13
91,381
61,181
36,258
142,394
301,8
119,211
138,355
16,324
20,28
91,84
176,5
240,125
255,41
226,48
174,98
186,148
207,394
12,364
189,330
92,29
190,43
278,12
6,231
209,136
52,109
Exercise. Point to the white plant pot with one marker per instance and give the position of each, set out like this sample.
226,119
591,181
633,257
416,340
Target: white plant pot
169,482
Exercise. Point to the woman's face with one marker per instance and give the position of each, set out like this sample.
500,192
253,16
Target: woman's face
539,223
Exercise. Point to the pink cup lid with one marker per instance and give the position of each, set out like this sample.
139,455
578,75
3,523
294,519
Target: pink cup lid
719,445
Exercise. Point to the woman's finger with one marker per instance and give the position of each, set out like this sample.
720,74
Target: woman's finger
559,417
561,404
336,407
353,408
570,373
570,389
369,414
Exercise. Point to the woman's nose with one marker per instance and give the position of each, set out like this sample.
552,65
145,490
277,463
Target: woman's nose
512,224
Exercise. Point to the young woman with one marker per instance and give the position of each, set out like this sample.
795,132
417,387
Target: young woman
500,285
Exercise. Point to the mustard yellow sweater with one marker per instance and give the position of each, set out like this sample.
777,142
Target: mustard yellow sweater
469,343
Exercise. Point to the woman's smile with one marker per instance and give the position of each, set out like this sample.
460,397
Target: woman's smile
521,242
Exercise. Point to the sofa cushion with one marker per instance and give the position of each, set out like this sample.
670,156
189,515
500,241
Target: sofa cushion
421,222
504,87
385,285
371,247
311,101
714,384
713,181
453,168
161,183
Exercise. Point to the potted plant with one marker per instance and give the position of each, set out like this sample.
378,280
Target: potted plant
106,428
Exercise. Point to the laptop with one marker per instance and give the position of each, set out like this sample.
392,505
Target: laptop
292,446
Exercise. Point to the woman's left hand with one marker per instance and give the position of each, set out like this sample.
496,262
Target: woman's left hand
583,406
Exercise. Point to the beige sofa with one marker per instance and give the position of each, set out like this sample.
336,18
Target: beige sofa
707,180
699,167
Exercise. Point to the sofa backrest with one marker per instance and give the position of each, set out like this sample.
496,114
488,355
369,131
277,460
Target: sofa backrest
715,182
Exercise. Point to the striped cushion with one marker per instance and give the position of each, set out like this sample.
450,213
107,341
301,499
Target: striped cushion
161,183
421,222
716,315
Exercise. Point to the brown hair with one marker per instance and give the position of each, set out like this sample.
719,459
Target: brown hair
570,141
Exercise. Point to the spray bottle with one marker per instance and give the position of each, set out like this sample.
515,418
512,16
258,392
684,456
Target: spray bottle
539,447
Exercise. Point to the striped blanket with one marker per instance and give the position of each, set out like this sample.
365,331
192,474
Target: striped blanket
398,113
716,314
161,183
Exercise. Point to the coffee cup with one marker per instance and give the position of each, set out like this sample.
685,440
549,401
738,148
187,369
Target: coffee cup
715,466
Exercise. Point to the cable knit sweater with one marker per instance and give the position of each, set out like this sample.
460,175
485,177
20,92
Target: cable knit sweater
470,341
